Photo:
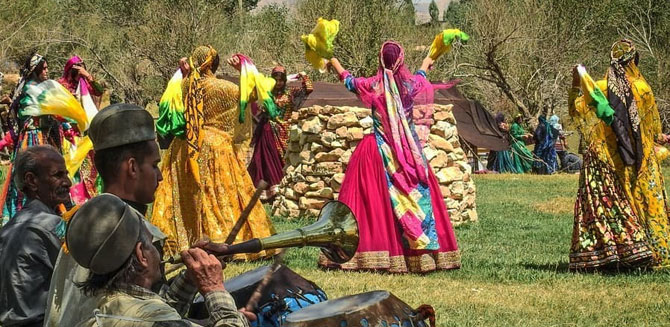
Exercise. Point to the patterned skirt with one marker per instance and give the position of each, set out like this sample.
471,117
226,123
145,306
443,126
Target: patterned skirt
606,231
381,246
187,211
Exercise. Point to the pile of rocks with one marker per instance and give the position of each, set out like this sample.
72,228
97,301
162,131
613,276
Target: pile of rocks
323,138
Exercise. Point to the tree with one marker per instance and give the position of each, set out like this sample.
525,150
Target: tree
434,12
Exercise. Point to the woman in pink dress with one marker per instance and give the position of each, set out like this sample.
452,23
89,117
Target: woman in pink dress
403,222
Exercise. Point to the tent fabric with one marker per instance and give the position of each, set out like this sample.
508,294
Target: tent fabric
474,123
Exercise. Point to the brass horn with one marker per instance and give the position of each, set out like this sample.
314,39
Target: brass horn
336,233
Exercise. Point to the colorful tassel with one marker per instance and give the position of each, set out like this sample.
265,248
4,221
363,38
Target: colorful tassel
443,41
251,80
594,96
57,100
319,43
171,120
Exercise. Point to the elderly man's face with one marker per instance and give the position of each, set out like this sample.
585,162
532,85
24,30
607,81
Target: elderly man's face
51,184
153,261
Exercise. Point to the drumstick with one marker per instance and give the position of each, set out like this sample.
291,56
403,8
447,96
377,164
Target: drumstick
262,186
256,296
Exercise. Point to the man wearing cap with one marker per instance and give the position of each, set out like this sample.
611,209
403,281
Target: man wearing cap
30,242
126,157
109,238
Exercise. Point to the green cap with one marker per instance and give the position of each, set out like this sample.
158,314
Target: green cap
102,234
121,124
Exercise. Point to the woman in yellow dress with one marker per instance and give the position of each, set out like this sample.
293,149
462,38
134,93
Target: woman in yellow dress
206,185
637,129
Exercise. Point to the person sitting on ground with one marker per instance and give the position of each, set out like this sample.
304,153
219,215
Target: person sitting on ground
109,238
29,243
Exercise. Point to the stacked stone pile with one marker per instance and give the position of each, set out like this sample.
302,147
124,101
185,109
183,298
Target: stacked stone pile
323,138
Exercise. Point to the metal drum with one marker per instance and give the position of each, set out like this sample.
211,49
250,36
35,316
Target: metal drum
371,309
285,293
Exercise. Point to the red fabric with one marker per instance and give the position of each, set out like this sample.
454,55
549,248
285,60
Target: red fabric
266,163
365,191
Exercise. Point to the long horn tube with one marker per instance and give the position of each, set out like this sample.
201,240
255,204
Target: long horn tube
336,233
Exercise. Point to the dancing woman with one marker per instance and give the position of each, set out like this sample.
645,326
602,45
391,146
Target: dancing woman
606,231
206,186
403,222
637,128
271,135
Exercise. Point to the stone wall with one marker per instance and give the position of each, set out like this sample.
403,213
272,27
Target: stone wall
322,140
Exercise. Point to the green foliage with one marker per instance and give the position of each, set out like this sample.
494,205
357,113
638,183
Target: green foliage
434,12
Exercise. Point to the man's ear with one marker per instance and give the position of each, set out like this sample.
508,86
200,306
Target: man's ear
31,181
133,167
141,258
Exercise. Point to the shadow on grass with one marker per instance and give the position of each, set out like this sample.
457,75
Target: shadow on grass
612,270
560,267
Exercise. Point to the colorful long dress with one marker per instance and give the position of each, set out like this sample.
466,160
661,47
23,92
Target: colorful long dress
545,151
644,186
522,157
606,231
187,210
501,162
271,135
389,186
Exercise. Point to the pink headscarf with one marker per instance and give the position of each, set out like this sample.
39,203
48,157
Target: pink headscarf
70,84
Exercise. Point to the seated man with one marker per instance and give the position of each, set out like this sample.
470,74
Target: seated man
30,242
109,238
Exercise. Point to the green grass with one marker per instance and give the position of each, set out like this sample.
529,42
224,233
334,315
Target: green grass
514,269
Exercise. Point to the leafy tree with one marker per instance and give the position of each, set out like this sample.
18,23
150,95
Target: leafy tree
434,12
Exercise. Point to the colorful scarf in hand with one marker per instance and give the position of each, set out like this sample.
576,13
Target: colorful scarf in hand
626,124
255,85
594,97
171,119
319,43
443,42
193,101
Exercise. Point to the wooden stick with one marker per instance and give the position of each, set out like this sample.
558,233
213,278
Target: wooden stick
262,186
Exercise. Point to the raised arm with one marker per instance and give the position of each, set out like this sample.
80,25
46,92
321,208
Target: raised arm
426,64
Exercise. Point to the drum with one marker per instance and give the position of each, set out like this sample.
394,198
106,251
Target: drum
371,309
286,292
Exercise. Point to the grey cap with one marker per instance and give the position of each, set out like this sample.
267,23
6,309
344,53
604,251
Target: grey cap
121,124
102,234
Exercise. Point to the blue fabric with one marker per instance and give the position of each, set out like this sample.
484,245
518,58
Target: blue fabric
274,315
545,140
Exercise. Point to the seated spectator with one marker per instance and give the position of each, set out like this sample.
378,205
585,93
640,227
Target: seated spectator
29,243
109,238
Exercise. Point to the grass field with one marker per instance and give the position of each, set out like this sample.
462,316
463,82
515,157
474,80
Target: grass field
514,269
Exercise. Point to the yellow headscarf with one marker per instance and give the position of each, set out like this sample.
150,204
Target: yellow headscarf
201,62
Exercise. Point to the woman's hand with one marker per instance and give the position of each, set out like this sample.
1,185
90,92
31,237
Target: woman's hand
234,62
336,65
575,77
83,73
184,66
427,63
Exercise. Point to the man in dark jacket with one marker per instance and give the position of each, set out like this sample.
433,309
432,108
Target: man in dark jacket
30,242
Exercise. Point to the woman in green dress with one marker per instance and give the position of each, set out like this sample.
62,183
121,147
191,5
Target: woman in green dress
521,156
